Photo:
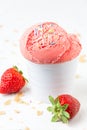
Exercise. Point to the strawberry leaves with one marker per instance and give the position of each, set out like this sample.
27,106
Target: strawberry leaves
58,111
16,68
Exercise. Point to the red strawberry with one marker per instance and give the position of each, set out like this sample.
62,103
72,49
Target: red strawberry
64,107
12,81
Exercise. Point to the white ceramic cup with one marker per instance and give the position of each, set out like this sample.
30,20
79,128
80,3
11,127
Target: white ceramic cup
51,79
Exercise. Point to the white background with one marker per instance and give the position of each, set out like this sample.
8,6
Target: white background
15,17
68,13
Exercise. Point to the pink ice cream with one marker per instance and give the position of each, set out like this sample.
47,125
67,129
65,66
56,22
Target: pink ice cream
48,43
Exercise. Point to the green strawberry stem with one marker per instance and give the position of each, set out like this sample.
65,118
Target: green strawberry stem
16,68
58,111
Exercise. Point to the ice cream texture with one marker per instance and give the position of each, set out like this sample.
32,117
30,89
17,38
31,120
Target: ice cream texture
48,43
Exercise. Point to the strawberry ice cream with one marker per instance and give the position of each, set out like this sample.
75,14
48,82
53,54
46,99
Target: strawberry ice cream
52,56
48,43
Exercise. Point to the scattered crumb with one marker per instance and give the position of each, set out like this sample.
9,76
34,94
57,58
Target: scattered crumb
78,35
8,102
17,111
33,107
41,102
14,44
83,58
27,128
19,100
2,112
77,76
39,113
23,102
1,26
10,118
18,97
6,40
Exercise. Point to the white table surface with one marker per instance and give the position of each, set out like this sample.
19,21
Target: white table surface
15,17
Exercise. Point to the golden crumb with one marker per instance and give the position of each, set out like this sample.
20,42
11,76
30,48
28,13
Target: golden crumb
33,107
18,97
17,111
23,102
2,112
41,102
1,26
77,76
8,102
19,100
78,35
6,40
27,128
14,44
10,118
39,113
83,58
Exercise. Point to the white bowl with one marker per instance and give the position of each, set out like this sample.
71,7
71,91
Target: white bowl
51,79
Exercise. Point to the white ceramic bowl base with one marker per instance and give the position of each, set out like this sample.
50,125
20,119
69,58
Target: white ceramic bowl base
51,79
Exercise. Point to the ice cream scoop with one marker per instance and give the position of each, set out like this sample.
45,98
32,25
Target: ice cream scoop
48,43
52,56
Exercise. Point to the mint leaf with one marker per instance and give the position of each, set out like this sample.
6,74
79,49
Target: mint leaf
65,106
50,109
64,119
52,100
66,114
55,118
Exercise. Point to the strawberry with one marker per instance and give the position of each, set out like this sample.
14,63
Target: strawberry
64,107
12,81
